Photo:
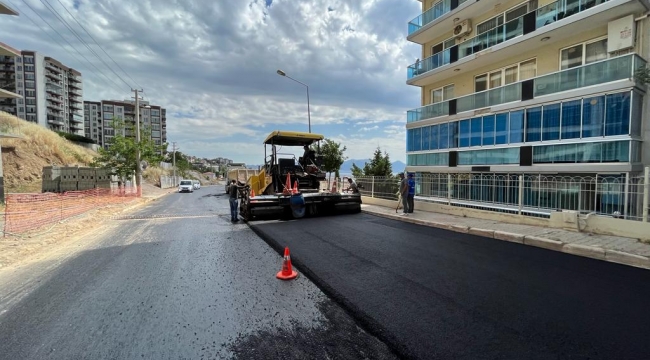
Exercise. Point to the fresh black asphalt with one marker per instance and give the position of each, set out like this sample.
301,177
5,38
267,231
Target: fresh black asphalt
175,280
436,294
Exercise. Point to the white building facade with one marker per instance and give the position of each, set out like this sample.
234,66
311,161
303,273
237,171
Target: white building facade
520,96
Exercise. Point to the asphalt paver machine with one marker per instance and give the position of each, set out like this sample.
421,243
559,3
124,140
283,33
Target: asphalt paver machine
290,187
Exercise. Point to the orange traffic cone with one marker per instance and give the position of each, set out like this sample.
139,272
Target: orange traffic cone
334,186
252,193
287,185
295,187
287,272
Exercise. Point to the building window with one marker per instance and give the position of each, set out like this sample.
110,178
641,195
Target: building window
508,75
19,60
29,68
513,13
29,76
442,94
582,54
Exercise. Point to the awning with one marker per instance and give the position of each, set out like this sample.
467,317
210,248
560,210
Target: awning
6,50
6,10
8,94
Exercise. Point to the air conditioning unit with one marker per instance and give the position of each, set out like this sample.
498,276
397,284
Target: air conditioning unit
462,28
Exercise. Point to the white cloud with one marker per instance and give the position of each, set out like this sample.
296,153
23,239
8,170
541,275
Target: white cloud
213,65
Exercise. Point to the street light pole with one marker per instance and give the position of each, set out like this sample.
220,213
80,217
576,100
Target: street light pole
282,73
138,169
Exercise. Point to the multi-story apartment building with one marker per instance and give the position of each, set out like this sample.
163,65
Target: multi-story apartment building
51,92
9,99
516,94
99,118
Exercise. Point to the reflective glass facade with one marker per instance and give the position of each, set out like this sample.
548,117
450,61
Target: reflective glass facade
605,115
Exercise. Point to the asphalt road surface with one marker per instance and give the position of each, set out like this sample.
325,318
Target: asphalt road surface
176,280
435,294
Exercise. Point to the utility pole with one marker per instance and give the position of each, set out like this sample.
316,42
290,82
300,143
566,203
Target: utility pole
174,148
138,168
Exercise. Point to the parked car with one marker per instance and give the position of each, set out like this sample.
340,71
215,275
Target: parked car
186,186
197,184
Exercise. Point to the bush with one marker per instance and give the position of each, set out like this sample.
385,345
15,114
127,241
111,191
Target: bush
75,137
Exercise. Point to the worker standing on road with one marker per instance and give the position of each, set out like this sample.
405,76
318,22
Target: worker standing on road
404,191
234,192
411,196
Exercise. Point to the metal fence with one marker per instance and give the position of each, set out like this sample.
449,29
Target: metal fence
620,196
167,182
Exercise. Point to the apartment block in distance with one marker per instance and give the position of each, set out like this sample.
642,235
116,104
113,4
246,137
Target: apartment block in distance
99,115
530,107
52,92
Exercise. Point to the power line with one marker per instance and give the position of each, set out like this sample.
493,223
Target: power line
43,30
86,31
66,40
49,7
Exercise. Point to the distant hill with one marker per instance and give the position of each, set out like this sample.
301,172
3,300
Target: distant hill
346,168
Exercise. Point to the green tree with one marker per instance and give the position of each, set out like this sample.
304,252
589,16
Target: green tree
333,157
379,165
120,155
182,163
356,171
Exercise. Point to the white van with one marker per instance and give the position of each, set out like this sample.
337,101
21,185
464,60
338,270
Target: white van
186,185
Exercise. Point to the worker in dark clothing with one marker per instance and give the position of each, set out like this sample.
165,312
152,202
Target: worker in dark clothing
352,186
234,192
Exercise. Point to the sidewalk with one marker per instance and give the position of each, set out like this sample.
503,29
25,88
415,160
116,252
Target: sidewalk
615,249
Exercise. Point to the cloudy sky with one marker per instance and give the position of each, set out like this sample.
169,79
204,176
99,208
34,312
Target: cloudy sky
212,64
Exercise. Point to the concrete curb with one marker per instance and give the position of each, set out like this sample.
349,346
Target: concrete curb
584,250
593,252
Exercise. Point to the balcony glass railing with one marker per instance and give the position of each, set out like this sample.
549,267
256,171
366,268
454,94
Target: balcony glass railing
436,11
496,96
592,74
544,16
618,68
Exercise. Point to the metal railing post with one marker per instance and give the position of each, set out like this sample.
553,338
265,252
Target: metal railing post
626,195
521,193
449,189
646,190
372,188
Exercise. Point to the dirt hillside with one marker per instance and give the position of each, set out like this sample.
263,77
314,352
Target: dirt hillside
24,158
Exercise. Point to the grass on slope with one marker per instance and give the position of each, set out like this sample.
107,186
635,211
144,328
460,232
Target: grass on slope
24,158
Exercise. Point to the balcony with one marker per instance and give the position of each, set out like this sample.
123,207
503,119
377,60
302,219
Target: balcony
554,22
75,118
74,92
53,75
52,67
74,78
54,98
74,85
51,89
53,82
427,26
55,120
8,68
53,105
598,73
56,113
